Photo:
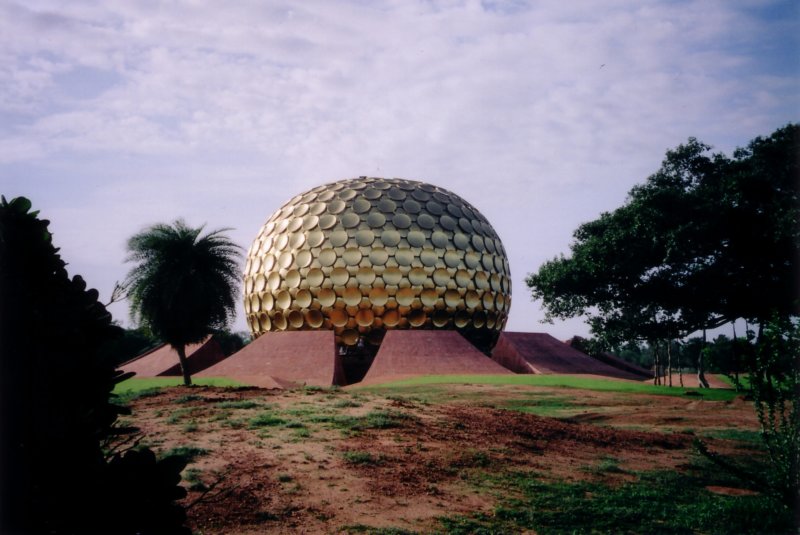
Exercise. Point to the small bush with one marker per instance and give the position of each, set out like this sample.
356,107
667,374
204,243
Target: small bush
381,420
293,424
361,458
192,477
189,453
188,398
345,403
302,432
127,396
178,414
238,404
265,419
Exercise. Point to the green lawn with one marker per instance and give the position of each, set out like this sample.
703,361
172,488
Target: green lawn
138,384
651,502
563,381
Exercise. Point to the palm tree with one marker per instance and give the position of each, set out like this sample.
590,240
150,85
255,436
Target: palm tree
184,285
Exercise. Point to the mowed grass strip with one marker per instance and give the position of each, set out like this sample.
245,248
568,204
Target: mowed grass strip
544,405
138,384
562,381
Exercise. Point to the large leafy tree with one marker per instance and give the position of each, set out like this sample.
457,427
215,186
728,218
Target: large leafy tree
760,199
184,284
60,459
705,240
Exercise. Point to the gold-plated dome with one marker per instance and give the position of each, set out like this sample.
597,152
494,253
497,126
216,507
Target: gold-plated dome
364,255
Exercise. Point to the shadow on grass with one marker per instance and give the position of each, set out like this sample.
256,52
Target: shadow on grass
656,502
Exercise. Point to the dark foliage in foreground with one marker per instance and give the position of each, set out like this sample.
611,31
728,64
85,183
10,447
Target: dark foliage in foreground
55,409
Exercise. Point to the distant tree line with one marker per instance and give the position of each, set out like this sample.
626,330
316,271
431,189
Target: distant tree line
723,354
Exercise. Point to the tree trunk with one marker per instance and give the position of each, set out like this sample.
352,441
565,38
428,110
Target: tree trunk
656,365
680,368
701,376
735,355
669,362
187,379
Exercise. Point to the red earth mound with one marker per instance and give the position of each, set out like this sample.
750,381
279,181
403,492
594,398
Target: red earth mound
163,360
282,358
540,353
420,352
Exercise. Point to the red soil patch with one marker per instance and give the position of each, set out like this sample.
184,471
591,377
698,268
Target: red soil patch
730,491
690,380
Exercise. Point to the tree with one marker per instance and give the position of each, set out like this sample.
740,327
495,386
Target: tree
184,285
704,241
231,342
56,409
760,201
131,343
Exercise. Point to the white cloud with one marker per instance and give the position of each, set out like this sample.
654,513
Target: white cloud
541,114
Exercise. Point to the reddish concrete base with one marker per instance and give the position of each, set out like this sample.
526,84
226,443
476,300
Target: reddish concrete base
163,360
541,353
405,353
284,358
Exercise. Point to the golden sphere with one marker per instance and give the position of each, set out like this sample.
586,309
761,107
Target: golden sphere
364,255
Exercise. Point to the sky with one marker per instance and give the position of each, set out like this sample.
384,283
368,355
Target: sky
542,114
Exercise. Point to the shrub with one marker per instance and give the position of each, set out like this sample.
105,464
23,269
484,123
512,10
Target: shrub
61,473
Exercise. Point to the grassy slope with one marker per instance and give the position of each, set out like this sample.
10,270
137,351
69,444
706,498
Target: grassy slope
565,381
652,502
137,384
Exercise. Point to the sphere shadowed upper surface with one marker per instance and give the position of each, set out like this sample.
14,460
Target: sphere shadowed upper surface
364,255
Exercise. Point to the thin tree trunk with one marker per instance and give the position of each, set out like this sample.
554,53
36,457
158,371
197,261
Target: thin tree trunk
187,379
669,362
656,364
680,368
701,376
734,355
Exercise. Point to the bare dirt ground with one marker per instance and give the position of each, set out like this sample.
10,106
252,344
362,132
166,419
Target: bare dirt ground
690,380
330,461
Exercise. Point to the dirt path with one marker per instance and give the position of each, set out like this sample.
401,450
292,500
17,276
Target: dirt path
690,380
